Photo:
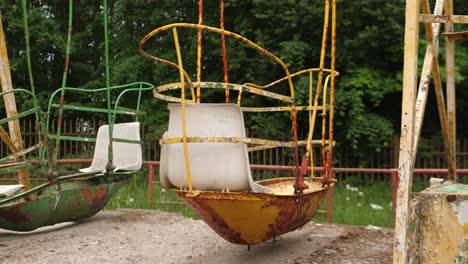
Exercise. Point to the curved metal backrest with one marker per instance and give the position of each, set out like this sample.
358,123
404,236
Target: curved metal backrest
216,30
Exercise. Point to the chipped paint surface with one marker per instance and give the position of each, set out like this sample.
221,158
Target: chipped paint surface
442,225
252,218
75,199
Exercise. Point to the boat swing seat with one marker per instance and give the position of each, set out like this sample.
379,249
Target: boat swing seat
214,166
127,156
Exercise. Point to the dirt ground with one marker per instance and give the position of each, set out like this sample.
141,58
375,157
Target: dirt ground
142,236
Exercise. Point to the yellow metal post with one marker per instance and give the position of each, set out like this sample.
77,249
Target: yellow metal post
405,168
450,89
432,32
184,120
10,103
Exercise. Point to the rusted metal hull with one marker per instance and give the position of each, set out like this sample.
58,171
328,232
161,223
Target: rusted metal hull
65,201
252,218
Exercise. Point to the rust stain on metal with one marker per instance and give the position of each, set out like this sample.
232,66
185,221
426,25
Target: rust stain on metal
94,198
216,222
263,216
14,214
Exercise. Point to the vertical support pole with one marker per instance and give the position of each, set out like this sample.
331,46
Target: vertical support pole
330,195
450,82
110,116
56,150
394,182
405,166
432,32
10,103
223,48
184,121
199,47
150,183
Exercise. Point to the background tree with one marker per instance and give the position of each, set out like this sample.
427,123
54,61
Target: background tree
369,57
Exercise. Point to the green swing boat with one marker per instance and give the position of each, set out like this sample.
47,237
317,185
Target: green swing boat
117,153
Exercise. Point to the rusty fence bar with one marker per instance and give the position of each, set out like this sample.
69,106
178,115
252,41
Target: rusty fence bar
394,181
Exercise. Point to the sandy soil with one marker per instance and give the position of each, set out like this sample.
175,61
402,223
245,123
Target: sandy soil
141,236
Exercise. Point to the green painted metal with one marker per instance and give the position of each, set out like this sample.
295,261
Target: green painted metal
56,149
72,138
67,199
22,152
37,111
110,166
125,89
20,115
28,49
15,167
124,140
95,110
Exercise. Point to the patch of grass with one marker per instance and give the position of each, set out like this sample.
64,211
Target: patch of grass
356,202
134,195
359,202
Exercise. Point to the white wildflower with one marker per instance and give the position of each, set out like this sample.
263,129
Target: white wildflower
347,198
361,194
359,204
376,207
131,200
354,189
348,187
371,227
163,190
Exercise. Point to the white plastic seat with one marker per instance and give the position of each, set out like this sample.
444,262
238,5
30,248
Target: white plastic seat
214,166
125,156
7,190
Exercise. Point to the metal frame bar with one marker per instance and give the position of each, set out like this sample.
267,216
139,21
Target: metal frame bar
405,164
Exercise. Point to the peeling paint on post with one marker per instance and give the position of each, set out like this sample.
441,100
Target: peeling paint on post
405,168
442,224
10,103
450,89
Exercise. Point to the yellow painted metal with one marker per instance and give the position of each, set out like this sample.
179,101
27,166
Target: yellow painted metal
328,172
5,138
310,151
405,168
292,76
252,218
432,31
450,87
456,19
219,31
319,81
184,119
10,104
250,141
199,47
223,47
215,85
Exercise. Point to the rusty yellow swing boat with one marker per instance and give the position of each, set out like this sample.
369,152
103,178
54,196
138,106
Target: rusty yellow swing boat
204,154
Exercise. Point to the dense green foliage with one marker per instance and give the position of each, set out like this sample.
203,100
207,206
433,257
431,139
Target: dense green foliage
369,56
